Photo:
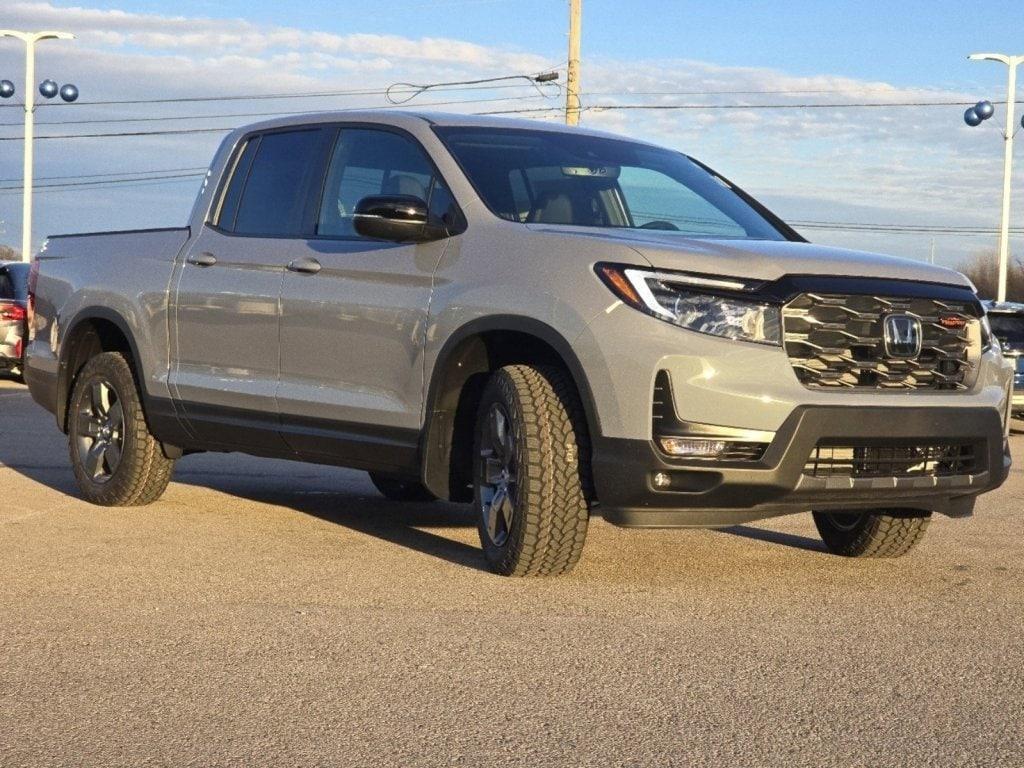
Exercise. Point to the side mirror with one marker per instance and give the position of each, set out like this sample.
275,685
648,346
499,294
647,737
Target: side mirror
399,218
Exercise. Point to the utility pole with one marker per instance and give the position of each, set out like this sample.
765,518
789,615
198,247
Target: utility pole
1011,62
572,89
49,87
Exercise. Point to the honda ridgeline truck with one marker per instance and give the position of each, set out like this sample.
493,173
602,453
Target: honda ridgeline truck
544,322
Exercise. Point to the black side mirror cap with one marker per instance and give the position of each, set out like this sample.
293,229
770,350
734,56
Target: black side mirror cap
398,218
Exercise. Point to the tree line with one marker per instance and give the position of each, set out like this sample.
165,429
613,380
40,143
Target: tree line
983,270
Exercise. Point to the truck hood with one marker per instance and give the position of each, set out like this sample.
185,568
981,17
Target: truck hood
760,259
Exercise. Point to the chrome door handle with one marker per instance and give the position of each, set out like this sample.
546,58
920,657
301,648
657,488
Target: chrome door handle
307,266
203,259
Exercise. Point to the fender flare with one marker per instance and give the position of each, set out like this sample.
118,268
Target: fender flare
64,375
436,440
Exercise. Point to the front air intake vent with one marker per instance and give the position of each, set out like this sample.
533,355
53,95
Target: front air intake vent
934,460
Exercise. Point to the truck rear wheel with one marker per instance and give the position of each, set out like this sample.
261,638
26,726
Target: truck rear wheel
529,473
116,461
881,533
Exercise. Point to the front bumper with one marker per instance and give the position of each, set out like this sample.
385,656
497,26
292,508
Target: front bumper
708,494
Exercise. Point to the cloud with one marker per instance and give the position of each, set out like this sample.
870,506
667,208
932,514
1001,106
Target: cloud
888,165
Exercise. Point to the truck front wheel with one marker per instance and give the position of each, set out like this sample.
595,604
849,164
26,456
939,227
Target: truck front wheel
529,473
116,461
872,533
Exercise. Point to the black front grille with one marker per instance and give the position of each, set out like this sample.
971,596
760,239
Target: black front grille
837,342
939,460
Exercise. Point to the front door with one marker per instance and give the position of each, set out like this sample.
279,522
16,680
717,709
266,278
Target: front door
354,313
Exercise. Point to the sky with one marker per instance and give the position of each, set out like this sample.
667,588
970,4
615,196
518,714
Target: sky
732,64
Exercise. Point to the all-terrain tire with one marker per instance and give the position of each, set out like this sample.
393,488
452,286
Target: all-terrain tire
401,489
551,458
881,533
142,471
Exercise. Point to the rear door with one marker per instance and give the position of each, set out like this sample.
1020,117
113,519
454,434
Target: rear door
225,345
354,311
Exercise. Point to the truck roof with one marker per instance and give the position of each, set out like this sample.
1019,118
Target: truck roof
408,118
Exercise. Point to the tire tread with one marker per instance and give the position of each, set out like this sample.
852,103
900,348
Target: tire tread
878,535
145,471
554,477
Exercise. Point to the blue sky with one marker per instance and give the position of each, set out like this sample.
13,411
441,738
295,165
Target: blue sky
891,166
904,43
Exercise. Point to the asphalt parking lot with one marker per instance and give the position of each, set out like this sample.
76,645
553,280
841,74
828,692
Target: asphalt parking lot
268,613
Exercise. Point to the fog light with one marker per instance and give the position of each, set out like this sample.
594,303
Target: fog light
695,448
661,480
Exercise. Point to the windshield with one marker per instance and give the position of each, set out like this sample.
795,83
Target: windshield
544,177
1009,329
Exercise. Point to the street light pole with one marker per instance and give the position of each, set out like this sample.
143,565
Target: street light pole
30,39
1011,62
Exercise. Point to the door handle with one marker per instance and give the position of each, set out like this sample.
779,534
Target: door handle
308,266
204,259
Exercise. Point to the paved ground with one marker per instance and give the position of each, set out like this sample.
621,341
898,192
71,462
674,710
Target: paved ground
266,613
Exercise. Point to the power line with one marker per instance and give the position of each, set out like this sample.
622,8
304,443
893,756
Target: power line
182,131
112,173
191,178
895,230
263,96
460,87
929,227
123,134
531,110
105,182
768,106
165,118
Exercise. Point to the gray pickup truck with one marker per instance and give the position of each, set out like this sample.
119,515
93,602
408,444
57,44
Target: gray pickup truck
541,321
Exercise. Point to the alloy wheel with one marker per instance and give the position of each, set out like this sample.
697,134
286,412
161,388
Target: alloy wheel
496,475
100,431
845,521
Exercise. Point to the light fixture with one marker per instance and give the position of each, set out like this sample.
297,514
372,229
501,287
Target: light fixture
694,447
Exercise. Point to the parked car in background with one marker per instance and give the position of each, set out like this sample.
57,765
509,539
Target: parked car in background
1007,321
13,317
538,320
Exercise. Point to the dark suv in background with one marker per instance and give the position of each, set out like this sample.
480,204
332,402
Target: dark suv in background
1007,321
13,317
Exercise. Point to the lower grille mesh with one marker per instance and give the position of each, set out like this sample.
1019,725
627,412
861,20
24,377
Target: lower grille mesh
943,460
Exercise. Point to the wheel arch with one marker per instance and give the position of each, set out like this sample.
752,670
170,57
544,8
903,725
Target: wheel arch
92,330
456,382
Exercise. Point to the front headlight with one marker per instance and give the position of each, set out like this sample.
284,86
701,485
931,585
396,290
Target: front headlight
697,302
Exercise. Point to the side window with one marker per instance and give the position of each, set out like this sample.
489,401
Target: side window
284,166
369,162
660,202
227,210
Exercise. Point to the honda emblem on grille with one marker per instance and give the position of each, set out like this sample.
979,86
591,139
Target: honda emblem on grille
902,335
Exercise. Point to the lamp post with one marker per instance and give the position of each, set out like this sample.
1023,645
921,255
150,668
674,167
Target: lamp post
47,89
975,116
